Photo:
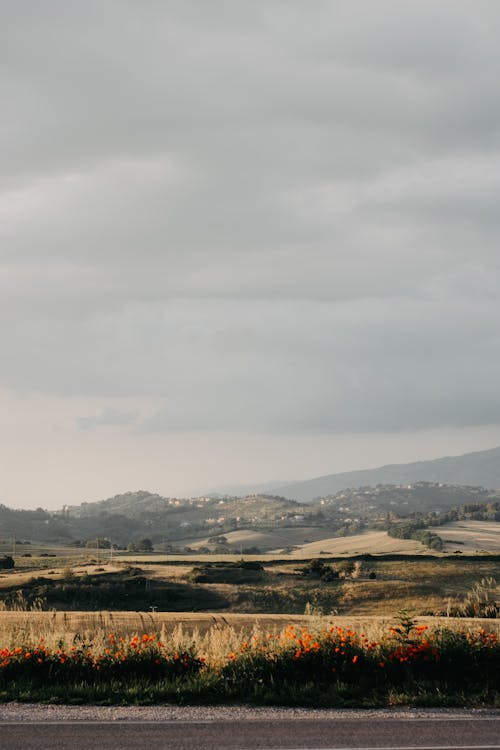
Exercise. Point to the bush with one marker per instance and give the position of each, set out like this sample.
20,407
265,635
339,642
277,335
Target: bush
318,569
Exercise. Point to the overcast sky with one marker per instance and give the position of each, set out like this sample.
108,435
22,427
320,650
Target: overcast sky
244,240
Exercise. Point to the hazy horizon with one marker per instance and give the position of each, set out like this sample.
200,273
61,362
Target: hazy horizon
244,240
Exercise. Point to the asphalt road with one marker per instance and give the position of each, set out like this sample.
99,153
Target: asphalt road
482,733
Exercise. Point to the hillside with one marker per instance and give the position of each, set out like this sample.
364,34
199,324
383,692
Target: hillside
403,500
481,468
232,523
136,515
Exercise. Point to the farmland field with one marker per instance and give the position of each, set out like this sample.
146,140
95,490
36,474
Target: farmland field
369,542
471,537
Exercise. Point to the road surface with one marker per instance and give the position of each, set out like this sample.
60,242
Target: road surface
271,729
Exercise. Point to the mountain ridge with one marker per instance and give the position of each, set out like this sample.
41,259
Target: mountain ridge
477,468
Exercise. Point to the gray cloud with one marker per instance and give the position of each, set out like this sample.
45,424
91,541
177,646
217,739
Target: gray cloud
265,216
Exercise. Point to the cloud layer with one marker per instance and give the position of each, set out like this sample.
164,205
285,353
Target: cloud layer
273,217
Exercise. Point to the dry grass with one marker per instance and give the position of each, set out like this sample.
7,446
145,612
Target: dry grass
21,577
472,536
215,636
371,542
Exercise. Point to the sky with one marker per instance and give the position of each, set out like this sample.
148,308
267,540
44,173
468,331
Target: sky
244,240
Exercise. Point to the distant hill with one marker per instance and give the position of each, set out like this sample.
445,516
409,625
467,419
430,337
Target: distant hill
134,515
481,468
231,523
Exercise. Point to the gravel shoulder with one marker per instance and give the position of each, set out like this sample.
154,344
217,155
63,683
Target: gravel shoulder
40,713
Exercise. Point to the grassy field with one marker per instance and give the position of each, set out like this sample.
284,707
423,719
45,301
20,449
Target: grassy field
374,586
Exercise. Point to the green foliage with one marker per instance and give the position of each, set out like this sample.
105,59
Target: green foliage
416,530
6,562
318,569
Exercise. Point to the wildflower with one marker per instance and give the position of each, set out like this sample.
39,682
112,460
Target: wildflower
354,658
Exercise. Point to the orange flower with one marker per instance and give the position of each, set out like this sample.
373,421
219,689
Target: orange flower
354,658
232,656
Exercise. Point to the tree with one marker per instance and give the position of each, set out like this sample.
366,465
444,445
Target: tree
143,545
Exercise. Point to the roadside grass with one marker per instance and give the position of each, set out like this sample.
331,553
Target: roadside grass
317,662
